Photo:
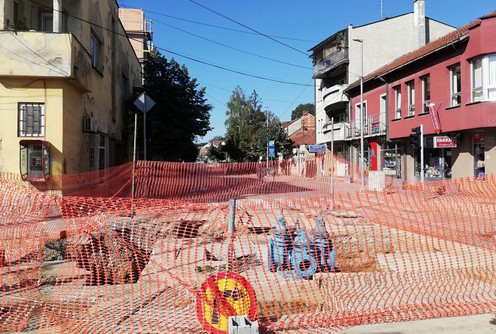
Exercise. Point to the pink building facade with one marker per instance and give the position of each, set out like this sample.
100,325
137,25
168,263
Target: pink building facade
449,88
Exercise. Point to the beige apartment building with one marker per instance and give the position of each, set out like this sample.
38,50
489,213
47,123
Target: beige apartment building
139,31
66,70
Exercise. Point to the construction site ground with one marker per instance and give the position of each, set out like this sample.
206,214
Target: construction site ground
357,222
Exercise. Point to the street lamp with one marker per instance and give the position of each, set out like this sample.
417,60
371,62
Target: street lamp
362,175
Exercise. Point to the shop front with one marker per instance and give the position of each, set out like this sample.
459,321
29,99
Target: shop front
437,158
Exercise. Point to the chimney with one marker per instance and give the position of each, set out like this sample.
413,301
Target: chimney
419,23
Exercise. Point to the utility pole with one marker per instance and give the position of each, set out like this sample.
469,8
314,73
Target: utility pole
362,160
267,133
422,153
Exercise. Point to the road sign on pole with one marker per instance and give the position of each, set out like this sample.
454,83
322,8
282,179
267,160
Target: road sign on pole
272,149
144,103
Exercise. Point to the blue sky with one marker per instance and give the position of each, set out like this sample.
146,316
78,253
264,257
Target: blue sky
262,45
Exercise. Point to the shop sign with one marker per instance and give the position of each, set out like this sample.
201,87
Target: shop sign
478,137
444,142
317,148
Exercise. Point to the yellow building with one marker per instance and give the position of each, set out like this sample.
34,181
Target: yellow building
66,69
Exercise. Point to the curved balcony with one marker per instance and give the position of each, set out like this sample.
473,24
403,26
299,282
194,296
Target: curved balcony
333,98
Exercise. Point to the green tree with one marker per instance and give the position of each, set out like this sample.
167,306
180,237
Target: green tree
248,128
181,112
301,109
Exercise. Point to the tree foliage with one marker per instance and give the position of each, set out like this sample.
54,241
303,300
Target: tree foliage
181,112
301,109
248,128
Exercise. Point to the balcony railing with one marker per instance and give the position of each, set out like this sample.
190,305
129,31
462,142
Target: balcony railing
327,63
374,125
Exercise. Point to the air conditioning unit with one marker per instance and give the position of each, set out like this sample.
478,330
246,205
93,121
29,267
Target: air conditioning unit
89,124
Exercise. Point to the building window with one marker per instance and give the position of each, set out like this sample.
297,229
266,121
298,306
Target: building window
483,78
95,49
31,119
125,91
476,80
101,152
46,21
397,102
426,92
456,85
411,97
382,112
19,21
361,114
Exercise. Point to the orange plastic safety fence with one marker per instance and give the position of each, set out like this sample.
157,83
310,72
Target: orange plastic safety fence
200,242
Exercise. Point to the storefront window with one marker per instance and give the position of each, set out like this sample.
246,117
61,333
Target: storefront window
392,161
437,161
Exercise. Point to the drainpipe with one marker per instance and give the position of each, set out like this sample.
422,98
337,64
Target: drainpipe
349,122
386,118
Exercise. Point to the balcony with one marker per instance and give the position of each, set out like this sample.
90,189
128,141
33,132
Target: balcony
374,125
339,130
337,58
41,54
334,98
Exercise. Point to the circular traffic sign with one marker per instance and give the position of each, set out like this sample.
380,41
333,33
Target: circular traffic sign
221,296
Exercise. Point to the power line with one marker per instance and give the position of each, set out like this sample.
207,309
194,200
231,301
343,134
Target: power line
188,57
59,70
233,48
232,70
247,27
294,101
230,29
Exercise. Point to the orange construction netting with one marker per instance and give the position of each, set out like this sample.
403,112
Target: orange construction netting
198,243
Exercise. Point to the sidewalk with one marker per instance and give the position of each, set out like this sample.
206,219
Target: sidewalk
477,324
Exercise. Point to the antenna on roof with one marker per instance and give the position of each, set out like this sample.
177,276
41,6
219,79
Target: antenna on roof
382,16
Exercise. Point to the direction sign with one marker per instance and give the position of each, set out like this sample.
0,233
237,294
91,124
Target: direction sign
221,296
272,149
144,103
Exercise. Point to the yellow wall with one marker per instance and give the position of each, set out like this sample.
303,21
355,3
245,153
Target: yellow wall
35,91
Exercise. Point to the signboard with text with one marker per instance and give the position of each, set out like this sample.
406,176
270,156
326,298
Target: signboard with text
443,142
272,149
317,148
478,137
